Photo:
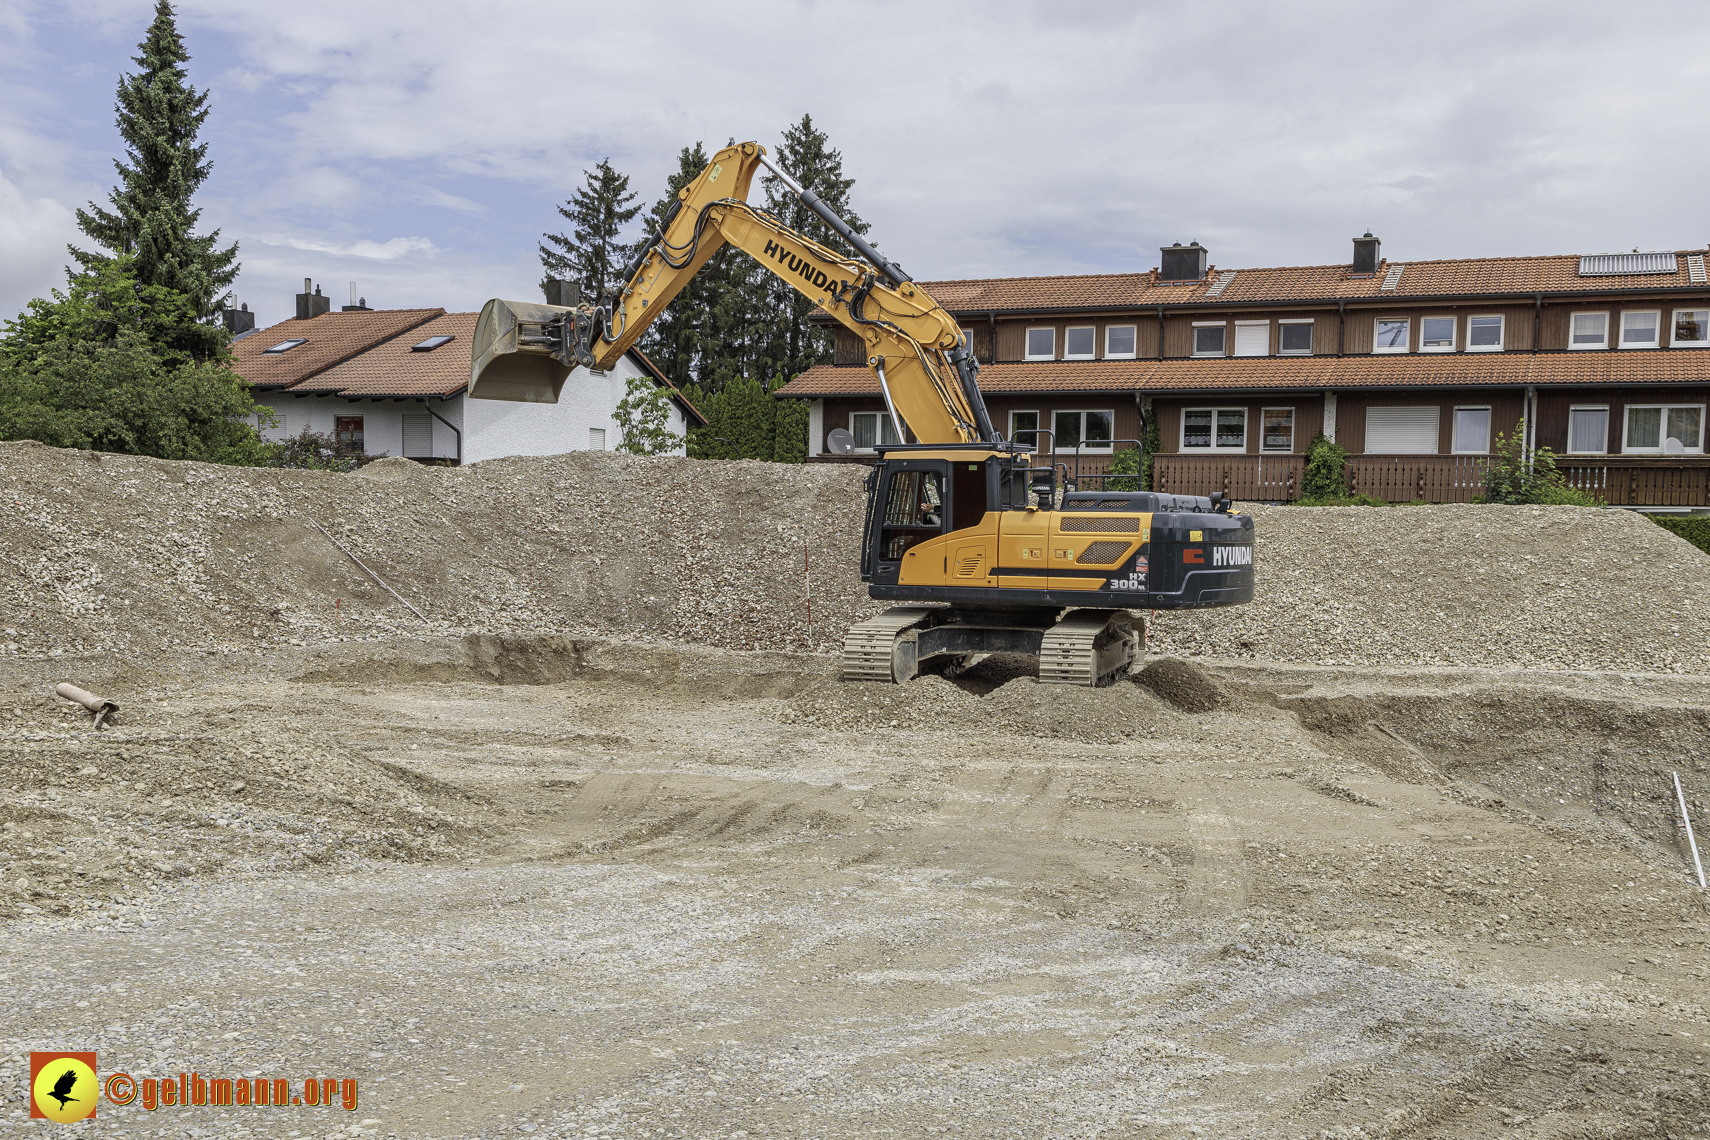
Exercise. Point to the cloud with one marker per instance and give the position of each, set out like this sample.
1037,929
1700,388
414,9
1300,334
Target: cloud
389,250
33,236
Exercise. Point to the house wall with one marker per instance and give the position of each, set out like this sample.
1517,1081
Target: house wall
1506,405
1308,418
382,420
501,427
1554,403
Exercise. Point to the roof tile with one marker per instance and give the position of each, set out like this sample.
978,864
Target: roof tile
332,338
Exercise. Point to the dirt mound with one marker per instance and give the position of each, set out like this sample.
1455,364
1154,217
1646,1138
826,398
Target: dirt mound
1183,684
145,559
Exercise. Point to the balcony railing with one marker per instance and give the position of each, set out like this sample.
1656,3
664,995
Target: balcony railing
1626,482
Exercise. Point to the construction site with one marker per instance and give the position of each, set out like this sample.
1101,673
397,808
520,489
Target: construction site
528,796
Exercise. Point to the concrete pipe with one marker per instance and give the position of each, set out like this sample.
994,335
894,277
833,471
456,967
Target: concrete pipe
100,706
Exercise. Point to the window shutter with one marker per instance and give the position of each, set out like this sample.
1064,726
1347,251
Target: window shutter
596,439
418,436
1402,431
1253,339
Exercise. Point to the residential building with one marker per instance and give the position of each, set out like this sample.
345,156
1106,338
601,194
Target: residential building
1414,366
396,381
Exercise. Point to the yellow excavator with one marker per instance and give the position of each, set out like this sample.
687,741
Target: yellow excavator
991,551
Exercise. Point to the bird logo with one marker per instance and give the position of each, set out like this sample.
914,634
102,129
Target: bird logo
63,1086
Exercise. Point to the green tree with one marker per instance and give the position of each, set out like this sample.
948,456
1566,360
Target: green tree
152,219
593,253
644,417
1325,476
678,337
789,431
99,304
1513,477
1124,470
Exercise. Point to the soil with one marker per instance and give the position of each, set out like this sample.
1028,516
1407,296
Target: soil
515,873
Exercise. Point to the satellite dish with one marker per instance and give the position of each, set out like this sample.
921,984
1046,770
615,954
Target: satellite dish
840,441
1672,446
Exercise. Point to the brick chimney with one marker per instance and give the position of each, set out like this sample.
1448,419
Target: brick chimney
311,305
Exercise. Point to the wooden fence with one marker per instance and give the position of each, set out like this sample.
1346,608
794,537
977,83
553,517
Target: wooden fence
1674,482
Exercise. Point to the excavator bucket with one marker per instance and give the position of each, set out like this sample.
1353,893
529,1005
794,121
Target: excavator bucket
512,359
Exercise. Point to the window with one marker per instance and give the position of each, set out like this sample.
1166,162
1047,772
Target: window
1484,334
418,435
1691,328
1588,330
1208,338
968,336
1640,330
1437,334
873,430
1091,430
1392,334
1080,343
1041,344
1659,429
431,343
1252,338
1214,429
1277,429
1402,431
596,439
1294,338
1472,431
1119,342
284,346
1588,430
1024,429
348,430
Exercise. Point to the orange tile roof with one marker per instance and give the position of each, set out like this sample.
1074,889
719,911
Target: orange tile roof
332,339
1508,369
393,368
1482,276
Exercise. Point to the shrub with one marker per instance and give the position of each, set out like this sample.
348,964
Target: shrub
1325,478
1513,478
316,451
644,418
1694,529
1124,470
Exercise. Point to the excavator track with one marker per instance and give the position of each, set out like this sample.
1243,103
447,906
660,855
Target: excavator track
1089,647
867,647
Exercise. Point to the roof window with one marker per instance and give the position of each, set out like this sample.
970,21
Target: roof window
284,346
1618,264
431,343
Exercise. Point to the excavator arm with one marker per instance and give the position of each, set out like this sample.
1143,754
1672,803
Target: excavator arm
924,365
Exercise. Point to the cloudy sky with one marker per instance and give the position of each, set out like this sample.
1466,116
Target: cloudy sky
418,149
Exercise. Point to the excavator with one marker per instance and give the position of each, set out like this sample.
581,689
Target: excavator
987,544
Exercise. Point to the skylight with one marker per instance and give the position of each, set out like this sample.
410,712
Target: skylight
431,343
284,346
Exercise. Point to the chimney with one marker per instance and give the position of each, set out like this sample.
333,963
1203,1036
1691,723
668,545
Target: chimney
1366,254
1180,262
311,305
238,321
564,294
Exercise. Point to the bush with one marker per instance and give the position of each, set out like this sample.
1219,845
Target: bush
644,418
1124,471
1694,529
315,451
1512,478
1325,479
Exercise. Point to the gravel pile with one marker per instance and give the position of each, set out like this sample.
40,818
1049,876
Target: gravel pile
107,554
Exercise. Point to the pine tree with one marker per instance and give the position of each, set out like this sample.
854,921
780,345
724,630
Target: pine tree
152,220
593,253
806,154
675,341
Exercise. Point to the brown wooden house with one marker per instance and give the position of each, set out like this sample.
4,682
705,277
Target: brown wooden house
1414,367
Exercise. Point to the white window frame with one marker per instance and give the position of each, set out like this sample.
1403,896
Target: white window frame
1501,332
1377,321
1281,351
1626,420
1032,444
1657,313
1604,313
1293,419
1027,342
878,431
1675,321
1454,337
1093,355
1239,325
1086,449
1130,355
1489,414
969,333
1181,432
1605,409
1224,325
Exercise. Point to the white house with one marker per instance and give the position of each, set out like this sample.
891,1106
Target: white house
396,379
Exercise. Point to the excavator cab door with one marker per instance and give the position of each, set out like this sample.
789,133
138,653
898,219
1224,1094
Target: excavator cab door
912,506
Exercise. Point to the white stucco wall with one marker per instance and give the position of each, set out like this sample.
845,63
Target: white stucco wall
501,427
382,420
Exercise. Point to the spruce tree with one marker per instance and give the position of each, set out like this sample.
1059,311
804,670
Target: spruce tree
675,340
152,220
594,252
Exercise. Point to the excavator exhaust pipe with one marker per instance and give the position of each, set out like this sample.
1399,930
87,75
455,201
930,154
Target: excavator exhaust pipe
519,351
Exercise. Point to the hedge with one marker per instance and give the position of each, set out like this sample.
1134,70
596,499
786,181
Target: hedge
1694,529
